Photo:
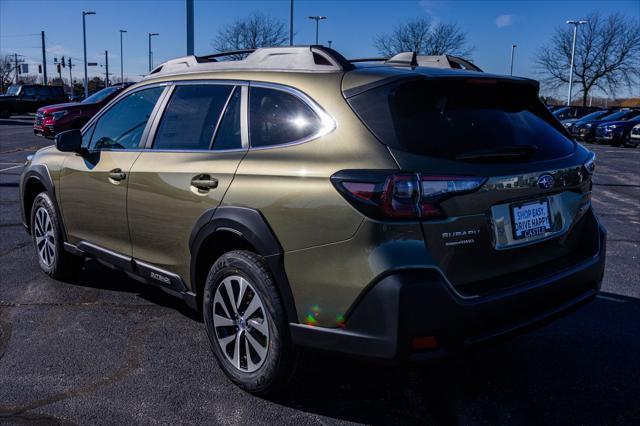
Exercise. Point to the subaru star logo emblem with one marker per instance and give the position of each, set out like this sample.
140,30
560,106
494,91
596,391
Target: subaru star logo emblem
546,182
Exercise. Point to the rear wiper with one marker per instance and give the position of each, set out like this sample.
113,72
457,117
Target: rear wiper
519,152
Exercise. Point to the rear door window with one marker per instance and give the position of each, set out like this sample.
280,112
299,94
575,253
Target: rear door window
229,135
460,120
191,117
277,117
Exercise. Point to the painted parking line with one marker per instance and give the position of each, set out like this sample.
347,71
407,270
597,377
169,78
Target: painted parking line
10,168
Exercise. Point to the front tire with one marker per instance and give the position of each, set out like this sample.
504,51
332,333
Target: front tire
46,233
246,323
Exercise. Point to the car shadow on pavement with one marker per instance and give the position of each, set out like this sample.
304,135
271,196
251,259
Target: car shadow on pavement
100,277
578,369
582,368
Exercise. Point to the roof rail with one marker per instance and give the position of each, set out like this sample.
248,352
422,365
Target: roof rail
446,61
403,58
411,59
285,58
367,60
212,57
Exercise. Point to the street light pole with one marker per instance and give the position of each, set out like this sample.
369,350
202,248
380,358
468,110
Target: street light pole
317,19
513,49
189,6
573,51
150,57
44,59
121,58
291,24
106,65
84,40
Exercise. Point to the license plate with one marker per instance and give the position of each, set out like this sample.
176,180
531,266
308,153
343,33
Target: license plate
531,219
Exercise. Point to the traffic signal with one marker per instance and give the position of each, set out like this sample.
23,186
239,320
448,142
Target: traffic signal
58,66
39,69
62,62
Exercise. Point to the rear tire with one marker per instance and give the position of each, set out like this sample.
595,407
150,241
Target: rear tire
246,323
46,233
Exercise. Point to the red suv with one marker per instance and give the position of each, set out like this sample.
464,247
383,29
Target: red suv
53,119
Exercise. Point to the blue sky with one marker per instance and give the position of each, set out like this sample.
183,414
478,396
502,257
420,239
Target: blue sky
492,26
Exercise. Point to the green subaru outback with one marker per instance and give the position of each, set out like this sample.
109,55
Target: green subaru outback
398,209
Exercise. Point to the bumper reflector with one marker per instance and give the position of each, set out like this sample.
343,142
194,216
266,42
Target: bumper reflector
424,342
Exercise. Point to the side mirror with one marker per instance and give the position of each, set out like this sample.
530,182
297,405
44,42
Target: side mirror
70,141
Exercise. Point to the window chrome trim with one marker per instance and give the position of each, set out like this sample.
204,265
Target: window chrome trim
328,124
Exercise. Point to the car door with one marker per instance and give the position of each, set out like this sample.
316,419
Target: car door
191,158
93,187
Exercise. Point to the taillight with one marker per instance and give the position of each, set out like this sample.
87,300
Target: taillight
401,196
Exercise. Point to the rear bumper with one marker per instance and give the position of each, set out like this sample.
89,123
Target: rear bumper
413,303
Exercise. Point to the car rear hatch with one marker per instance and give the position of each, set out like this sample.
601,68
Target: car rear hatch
502,190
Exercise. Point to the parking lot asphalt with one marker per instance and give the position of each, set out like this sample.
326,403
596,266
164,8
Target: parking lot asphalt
104,349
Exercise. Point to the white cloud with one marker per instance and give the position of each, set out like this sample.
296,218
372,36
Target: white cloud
504,21
57,49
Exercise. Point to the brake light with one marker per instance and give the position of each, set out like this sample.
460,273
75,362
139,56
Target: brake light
401,196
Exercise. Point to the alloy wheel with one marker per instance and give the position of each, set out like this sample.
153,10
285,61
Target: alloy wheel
240,323
45,237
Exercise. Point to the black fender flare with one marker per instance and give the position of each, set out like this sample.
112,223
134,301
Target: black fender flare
253,227
40,173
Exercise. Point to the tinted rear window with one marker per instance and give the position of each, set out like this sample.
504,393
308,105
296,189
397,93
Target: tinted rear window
453,118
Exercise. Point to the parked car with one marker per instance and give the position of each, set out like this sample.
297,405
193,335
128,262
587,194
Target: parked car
569,122
390,211
585,130
573,112
616,133
53,119
634,136
26,98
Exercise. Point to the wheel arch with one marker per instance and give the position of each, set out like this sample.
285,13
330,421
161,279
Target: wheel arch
237,228
35,181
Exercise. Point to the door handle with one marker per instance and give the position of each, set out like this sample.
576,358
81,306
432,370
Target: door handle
204,182
117,174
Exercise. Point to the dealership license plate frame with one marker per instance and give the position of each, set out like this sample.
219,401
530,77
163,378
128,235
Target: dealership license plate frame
545,229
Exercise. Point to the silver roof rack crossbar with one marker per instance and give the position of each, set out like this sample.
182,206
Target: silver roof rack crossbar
403,58
446,61
412,59
285,58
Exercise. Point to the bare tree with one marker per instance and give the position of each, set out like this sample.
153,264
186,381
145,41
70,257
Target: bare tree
257,30
607,55
425,37
7,71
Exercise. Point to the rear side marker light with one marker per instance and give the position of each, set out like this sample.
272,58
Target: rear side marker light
423,343
401,196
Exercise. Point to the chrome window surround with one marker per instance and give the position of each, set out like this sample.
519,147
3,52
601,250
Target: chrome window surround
328,124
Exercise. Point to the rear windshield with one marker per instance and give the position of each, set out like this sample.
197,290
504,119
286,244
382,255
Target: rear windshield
457,119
